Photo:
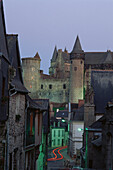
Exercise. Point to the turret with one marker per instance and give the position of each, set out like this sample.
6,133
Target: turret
76,72
53,60
31,73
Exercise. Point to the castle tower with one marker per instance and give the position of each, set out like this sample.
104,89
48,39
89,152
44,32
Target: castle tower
31,73
53,60
76,72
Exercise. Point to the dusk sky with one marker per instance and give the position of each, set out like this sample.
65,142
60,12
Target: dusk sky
42,24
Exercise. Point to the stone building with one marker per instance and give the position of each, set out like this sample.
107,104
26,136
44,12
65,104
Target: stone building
75,135
100,143
4,96
69,74
58,133
17,104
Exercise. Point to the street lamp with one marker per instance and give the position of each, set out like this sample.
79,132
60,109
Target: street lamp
63,120
86,129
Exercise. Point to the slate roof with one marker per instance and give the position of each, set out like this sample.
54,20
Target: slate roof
14,57
102,83
98,57
97,124
66,57
62,113
3,41
44,103
33,104
54,57
37,56
97,142
78,114
77,46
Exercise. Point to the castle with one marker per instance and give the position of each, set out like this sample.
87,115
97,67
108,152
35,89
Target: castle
69,76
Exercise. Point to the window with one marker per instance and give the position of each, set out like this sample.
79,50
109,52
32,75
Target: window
3,86
58,141
41,86
62,133
50,86
38,124
54,133
54,142
75,68
31,123
64,86
58,133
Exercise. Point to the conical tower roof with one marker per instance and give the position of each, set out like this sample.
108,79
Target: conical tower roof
77,46
54,54
65,50
37,56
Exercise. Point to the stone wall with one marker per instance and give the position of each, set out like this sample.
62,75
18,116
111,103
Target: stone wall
16,131
89,114
76,80
2,144
56,90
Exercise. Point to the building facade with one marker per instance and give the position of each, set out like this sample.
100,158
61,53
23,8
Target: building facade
69,74
58,133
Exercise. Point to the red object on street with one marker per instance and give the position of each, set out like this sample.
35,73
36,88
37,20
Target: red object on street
55,158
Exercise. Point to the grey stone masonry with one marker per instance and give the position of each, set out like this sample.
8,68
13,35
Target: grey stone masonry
16,131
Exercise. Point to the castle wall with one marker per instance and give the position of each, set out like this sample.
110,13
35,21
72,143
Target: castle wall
56,90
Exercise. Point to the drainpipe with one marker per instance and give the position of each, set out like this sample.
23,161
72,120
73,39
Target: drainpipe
69,116
25,133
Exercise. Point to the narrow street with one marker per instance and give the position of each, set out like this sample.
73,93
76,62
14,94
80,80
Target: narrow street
58,159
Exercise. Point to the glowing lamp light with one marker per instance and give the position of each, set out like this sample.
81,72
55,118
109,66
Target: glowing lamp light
79,129
63,120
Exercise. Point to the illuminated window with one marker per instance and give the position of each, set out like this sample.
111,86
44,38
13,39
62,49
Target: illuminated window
41,86
64,86
57,110
33,69
50,86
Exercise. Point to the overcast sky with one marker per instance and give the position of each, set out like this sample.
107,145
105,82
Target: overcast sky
42,24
